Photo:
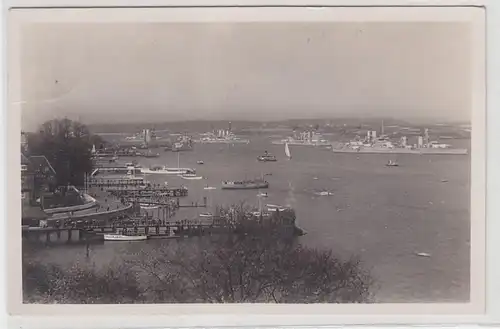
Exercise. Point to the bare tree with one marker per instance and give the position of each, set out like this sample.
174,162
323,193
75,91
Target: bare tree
257,264
48,283
253,262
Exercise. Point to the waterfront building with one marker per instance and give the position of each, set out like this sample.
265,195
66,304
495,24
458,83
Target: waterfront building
37,175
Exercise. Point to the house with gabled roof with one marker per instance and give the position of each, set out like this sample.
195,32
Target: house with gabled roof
32,213
37,177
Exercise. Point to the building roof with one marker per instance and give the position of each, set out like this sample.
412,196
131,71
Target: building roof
40,161
24,159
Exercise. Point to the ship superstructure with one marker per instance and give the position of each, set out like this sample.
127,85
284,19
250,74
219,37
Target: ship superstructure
306,138
384,144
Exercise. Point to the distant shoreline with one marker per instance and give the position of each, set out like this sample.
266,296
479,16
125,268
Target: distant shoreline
406,151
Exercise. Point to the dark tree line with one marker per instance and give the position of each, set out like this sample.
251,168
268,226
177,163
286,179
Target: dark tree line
237,270
250,269
67,146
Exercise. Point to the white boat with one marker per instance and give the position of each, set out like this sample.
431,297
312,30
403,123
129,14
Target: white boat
273,208
168,171
276,209
132,165
132,177
124,237
147,206
324,193
200,162
191,176
392,164
287,151
206,215
262,195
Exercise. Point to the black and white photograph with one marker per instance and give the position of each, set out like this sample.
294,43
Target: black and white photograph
285,162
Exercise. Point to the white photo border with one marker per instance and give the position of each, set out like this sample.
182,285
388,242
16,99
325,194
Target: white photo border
256,314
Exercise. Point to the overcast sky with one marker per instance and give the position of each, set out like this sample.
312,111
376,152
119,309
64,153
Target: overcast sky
256,71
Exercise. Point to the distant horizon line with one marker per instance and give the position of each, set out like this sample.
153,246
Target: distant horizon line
407,120
353,118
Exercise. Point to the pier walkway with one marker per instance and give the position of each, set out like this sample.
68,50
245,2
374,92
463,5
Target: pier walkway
151,228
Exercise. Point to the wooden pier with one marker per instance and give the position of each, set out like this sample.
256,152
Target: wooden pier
116,182
163,191
152,228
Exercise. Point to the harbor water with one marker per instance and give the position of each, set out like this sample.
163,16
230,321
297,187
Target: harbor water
384,215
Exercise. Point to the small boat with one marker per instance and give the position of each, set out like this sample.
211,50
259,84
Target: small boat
132,165
274,208
147,206
200,162
262,195
392,164
191,176
150,154
324,193
423,254
444,180
272,205
266,157
124,237
245,184
209,188
206,215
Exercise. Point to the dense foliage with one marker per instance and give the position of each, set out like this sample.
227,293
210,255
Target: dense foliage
67,145
249,269
249,266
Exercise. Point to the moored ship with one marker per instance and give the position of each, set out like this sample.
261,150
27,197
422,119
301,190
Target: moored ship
183,143
222,137
306,138
168,171
400,150
384,144
245,184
